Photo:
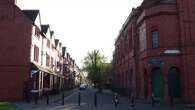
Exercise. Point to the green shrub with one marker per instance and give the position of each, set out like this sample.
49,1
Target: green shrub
7,106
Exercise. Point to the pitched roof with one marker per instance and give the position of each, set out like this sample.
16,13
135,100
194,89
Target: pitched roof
56,42
44,28
60,44
31,14
63,51
51,33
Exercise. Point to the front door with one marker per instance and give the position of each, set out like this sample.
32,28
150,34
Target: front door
157,83
174,83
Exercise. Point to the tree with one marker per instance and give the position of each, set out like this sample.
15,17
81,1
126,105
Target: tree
95,64
82,77
105,70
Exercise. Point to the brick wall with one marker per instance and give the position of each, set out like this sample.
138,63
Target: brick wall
15,40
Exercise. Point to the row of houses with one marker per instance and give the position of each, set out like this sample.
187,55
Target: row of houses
32,59
155,51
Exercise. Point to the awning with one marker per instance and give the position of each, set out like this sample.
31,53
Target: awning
60,75
35,66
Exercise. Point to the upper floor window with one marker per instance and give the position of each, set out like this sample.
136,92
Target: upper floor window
154,36
37,32
48,43
53,47
36,53
52,62
47,60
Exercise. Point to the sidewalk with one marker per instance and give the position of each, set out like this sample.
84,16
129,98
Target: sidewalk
147,105
104,102
54,100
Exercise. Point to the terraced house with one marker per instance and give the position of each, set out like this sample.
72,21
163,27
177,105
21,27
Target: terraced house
32,59
155,51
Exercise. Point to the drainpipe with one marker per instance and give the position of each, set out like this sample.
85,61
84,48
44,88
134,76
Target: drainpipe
182,45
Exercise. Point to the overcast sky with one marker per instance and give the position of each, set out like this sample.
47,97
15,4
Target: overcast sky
84,25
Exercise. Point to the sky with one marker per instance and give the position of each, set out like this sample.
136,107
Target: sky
84,25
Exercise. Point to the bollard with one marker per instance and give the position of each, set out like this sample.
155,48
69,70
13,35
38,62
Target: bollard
28,97
95,99
63,98
36,97
153,101
79,99
115,99
172,102
132,100
47,96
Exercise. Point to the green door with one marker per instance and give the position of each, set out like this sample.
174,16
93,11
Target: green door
157,83
174,83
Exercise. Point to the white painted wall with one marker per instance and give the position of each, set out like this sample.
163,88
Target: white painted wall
38,42
46,49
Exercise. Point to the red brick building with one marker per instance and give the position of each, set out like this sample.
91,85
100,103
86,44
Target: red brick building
13,24
155,51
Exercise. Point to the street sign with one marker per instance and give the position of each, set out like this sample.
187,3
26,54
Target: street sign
156,61
172,51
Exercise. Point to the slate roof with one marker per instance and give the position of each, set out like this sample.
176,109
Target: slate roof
56,42
44,28
60,44
31,14
51,33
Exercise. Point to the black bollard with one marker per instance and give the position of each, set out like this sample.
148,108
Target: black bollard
79,99
63,98
47,96
95,99
172,102
28,97
132,100
153,101
36,98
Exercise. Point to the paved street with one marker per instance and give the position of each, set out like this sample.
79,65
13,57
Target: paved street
104,102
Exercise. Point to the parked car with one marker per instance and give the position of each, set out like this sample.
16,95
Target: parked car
82,87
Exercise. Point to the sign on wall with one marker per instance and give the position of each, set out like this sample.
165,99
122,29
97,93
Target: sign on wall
156,61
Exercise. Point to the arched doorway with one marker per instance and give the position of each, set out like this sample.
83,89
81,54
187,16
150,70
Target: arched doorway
174,82
145,83
157,83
